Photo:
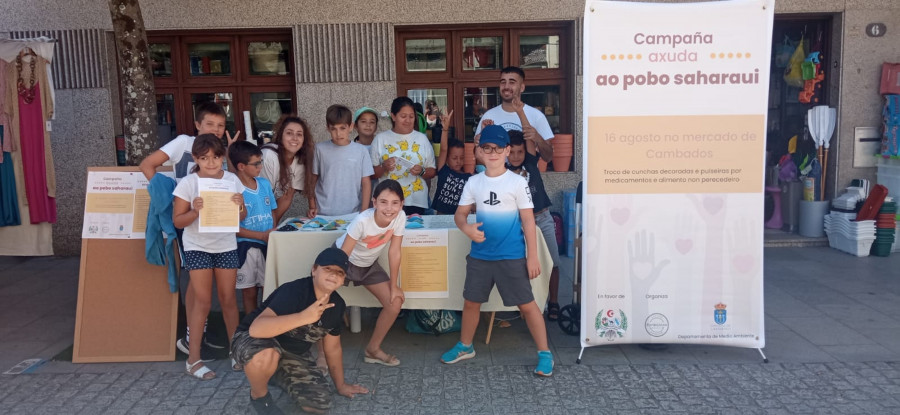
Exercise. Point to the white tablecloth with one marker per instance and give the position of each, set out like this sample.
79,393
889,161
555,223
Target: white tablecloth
291,256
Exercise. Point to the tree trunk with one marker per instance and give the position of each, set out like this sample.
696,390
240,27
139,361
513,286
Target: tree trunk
138,92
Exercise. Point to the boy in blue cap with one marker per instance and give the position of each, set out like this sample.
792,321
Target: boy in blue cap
504,231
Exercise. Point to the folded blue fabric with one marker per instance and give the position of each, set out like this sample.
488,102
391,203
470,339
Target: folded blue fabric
159,220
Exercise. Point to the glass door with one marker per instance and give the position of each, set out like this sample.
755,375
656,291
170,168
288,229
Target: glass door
476,101
267,105
166,117
434,101
222,96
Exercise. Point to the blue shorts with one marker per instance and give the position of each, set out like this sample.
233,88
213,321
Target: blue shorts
205,260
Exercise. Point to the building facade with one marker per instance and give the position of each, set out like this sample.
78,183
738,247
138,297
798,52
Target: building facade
270,57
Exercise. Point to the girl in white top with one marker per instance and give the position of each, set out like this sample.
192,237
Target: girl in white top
367,235
206,255
405,155
287,163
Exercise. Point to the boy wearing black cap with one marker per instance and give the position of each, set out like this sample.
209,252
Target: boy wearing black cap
504,231
274,341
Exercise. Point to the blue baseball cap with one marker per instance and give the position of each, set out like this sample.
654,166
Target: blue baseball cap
494,134
364,110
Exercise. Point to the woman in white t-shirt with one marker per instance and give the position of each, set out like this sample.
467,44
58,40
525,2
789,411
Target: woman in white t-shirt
287,163
367,235
405,155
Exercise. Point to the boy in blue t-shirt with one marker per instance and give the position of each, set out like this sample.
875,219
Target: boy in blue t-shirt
505,229
451,177
260,202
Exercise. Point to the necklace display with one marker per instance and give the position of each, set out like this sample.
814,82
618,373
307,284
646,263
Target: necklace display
26,93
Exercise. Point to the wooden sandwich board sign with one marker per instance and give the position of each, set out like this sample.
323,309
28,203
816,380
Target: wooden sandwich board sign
125,311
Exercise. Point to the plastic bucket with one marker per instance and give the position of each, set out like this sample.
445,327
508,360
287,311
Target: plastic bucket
790,205
812,218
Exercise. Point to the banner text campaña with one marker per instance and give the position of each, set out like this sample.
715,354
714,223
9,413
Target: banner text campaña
699,77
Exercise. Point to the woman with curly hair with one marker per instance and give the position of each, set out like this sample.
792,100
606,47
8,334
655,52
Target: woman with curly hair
287,163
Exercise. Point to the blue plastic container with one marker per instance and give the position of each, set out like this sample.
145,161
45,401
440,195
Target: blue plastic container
569,220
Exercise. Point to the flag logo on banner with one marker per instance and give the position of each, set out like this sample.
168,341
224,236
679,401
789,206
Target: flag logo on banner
611,324
720,314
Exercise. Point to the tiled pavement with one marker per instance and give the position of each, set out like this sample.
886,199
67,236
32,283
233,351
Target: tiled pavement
832,331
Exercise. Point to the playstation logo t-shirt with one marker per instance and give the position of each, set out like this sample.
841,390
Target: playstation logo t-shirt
497,202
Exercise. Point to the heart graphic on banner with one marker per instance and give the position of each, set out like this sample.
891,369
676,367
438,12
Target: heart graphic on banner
684,245
713,204
743,263
620,215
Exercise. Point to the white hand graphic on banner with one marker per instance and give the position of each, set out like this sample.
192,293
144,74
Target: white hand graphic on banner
644,271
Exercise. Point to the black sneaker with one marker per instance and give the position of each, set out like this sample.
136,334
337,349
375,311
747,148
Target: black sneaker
206,354
182,346
265,405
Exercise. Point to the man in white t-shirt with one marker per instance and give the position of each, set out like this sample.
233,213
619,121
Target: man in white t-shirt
537,132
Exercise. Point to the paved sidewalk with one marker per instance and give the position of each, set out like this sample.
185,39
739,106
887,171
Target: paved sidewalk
832,331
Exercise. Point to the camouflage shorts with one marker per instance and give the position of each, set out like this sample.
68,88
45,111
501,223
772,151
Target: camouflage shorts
297,375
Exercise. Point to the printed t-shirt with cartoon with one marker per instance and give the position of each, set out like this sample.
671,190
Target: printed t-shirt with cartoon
212,242
259,203
180,157
449,188
510,120
294,297
271,169
340,170
371,238
498,200
413,147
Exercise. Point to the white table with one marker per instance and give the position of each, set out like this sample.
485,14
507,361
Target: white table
291,256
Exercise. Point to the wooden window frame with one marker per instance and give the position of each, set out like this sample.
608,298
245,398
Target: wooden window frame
191,80
174,48
458,36
249,79
564,52
240,83
455,79
400,55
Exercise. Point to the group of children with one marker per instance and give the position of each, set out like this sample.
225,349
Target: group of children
503,252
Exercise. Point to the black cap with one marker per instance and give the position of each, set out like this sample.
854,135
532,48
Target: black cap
333,256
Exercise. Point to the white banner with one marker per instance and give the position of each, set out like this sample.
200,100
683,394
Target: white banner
675,104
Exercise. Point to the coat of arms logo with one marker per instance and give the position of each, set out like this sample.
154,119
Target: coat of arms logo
720,314
611,324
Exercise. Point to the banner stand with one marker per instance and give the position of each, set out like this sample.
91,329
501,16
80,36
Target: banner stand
581,353
674,136
765,359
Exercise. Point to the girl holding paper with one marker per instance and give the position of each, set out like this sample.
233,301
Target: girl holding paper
405,155
207,255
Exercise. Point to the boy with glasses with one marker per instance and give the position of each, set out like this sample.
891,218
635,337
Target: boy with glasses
253,236
504,231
